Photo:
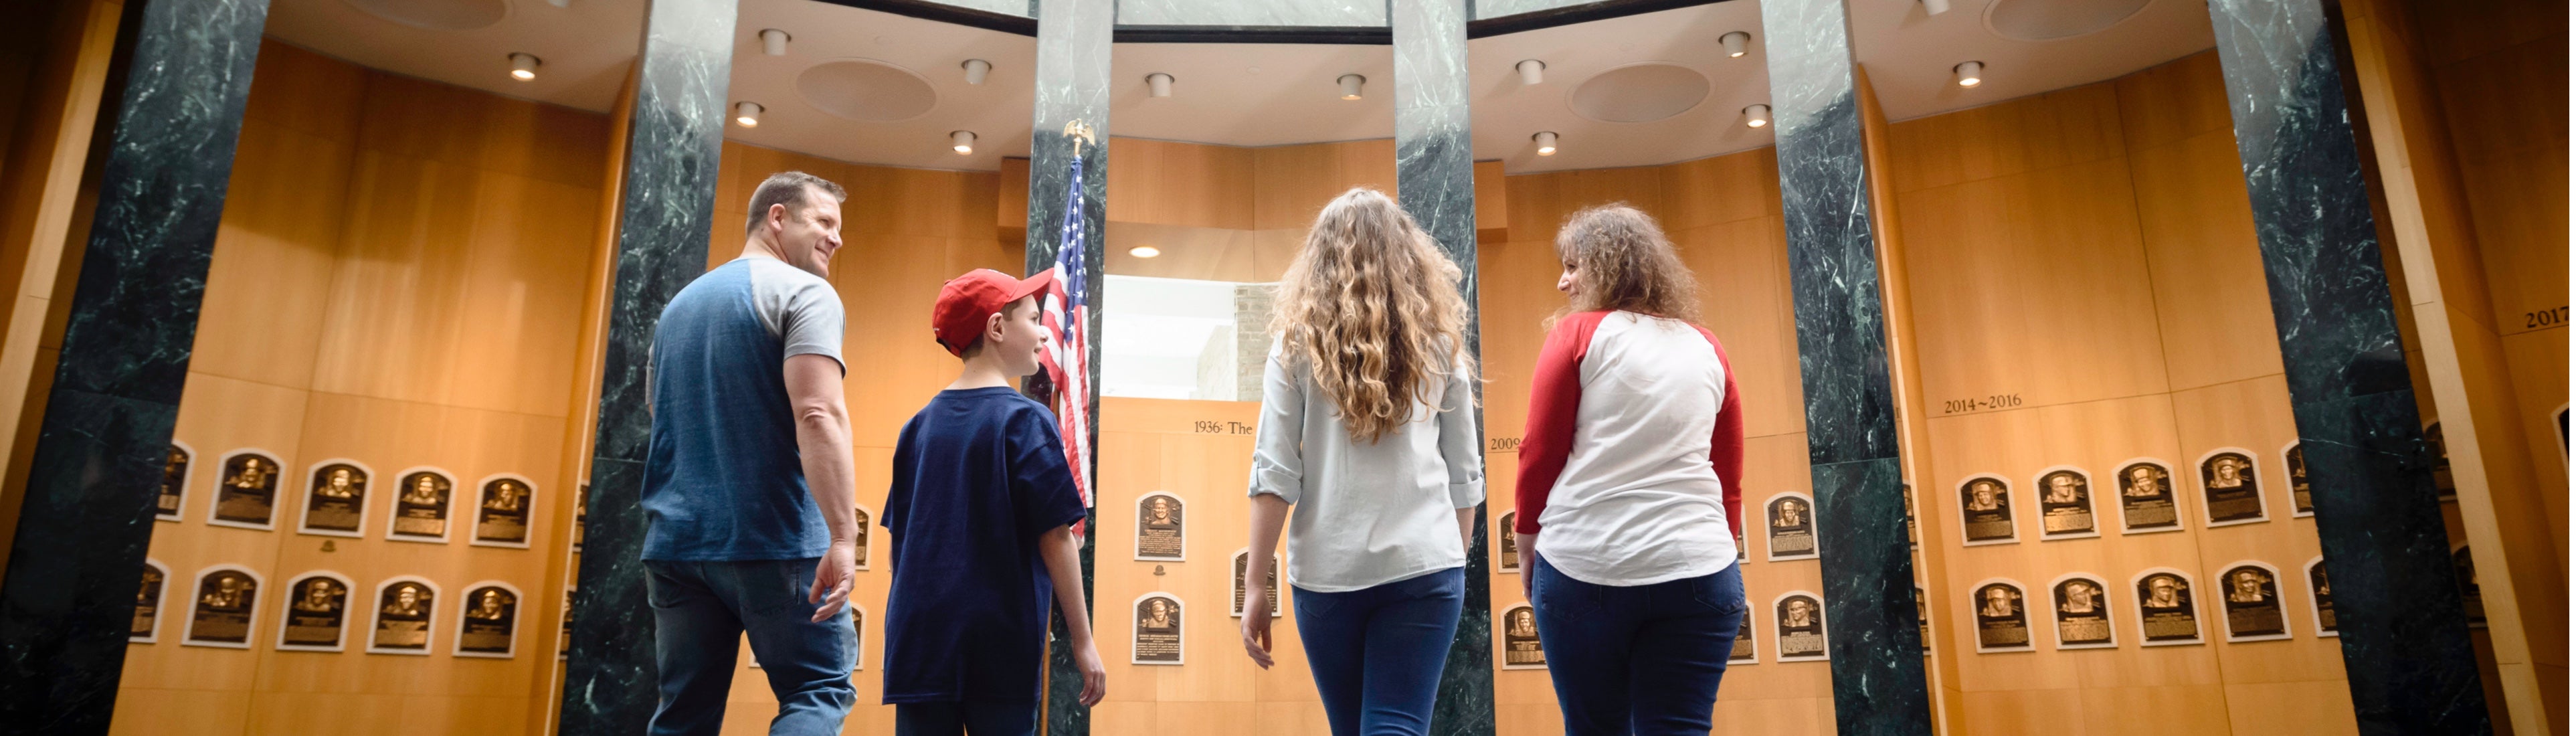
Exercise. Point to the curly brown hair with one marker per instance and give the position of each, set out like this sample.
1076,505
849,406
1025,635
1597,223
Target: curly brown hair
1372,305
1622,261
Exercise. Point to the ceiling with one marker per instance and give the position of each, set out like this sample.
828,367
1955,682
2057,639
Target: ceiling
1270,94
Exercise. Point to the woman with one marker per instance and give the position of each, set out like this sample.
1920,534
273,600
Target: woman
1366,433
1628,497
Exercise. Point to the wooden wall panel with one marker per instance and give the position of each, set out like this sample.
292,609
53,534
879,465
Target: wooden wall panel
1293,182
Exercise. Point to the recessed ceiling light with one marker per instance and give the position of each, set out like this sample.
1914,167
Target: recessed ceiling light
1735,43
773,42
1532,71
1969,73
1144,251
1351,85
962,141
747,114
976,69
1546,140
1158,84
1936,7
523,67
1756,116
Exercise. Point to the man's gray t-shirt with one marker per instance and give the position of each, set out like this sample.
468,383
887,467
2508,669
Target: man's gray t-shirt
722,479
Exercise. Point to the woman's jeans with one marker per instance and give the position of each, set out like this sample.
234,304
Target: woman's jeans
1637,659
1377,652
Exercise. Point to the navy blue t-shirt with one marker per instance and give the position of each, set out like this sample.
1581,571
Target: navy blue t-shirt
978,475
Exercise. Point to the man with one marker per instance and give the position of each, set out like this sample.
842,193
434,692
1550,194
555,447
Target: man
1983,496
2079,597
320,596
749,489
253,477
2226,471
2164,591
505,496
406,602
340,482
2249,587
2061,488
488,606
1999,603
227,595
1792,514
1161,512
1524,624
424,491
2145,481
1800,615
1158,614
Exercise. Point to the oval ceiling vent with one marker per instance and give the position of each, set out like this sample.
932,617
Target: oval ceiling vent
2050,20
436,15
1639,93
866,90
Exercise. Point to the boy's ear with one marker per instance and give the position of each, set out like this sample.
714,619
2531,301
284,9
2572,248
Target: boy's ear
993,325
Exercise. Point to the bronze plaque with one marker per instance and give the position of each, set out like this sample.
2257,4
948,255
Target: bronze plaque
2253,603
2465,571
858,638
2440,451
1922,622
2066,504
580,514
1270,584
335,500
2147,498
2295,461
317,608
860,544
1158,630
1158,527
403,616
225,602
2083,607
173,500
2321,597
502,518
1913,539
1743,651
563,642
490,622
147,603
2230,492
1985,510
420,509
2003,622
1521,650
2165,612
1508,545
1790,522
1800,633
247,492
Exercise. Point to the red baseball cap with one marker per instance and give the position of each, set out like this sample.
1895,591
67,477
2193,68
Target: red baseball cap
968,302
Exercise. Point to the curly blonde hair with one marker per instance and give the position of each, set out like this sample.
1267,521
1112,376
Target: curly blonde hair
1622,261
1372,305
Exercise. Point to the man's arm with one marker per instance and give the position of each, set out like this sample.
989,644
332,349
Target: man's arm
823,442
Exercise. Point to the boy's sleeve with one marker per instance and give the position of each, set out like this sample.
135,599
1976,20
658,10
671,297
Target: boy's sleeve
898,500
1043,495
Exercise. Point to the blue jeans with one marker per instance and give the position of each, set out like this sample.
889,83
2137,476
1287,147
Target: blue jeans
954,718
1377,652
701,610
1637,659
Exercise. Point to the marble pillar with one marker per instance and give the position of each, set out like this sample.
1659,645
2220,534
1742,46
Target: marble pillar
673,141
1072,85
1435,181
1843,368
2405,640
68,600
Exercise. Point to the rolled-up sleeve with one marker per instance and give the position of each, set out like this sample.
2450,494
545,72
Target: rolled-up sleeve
1460,448
1278,455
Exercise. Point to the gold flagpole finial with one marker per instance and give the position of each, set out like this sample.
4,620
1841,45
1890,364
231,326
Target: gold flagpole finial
1081,133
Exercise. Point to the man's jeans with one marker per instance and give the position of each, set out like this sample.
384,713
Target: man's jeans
701,611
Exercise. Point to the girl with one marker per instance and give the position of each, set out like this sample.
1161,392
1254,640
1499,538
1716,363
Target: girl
1366,432
1630,465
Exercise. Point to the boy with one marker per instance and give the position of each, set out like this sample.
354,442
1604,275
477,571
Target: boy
981,511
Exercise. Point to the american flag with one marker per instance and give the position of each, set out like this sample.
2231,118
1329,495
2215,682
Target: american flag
1068,356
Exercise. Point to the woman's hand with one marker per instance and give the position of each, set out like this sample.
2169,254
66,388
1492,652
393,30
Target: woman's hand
1256,624
1528,549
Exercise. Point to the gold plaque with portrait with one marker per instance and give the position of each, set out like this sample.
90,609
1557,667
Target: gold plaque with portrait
501,518
858,638
1985,510
1743,650
335,499
222,612
2231,492
420,507
147,603
246,492
2321,597
859,545
2253,603
2147,502
1270,582
2295,461
1790,525
1913,538
173,501
1922,622
2083,609
2066,504
2166,615
2465,572
1799,628
317,614
1159,531
405,608
2003,621
1507,546
1521,650
580,514
490,623
2440,452
1157,630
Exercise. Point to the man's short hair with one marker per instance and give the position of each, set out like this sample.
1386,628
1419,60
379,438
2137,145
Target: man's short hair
787,188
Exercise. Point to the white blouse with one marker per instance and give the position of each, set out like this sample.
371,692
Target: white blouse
1366,514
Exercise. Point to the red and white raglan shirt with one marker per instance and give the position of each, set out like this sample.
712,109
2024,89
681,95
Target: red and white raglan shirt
1631,462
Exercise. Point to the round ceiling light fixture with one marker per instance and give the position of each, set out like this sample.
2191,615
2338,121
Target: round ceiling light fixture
523,67
773,42
746,114
962,141
1350,84
1639,93
976,70
1532,71
436,15
1969,73
1735,43
1144,251
1756,116
1546,140
1158,84
866,90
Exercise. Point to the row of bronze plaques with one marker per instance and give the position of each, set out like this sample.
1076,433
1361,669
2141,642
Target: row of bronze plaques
338,494
2230,483
223,611
2080,609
